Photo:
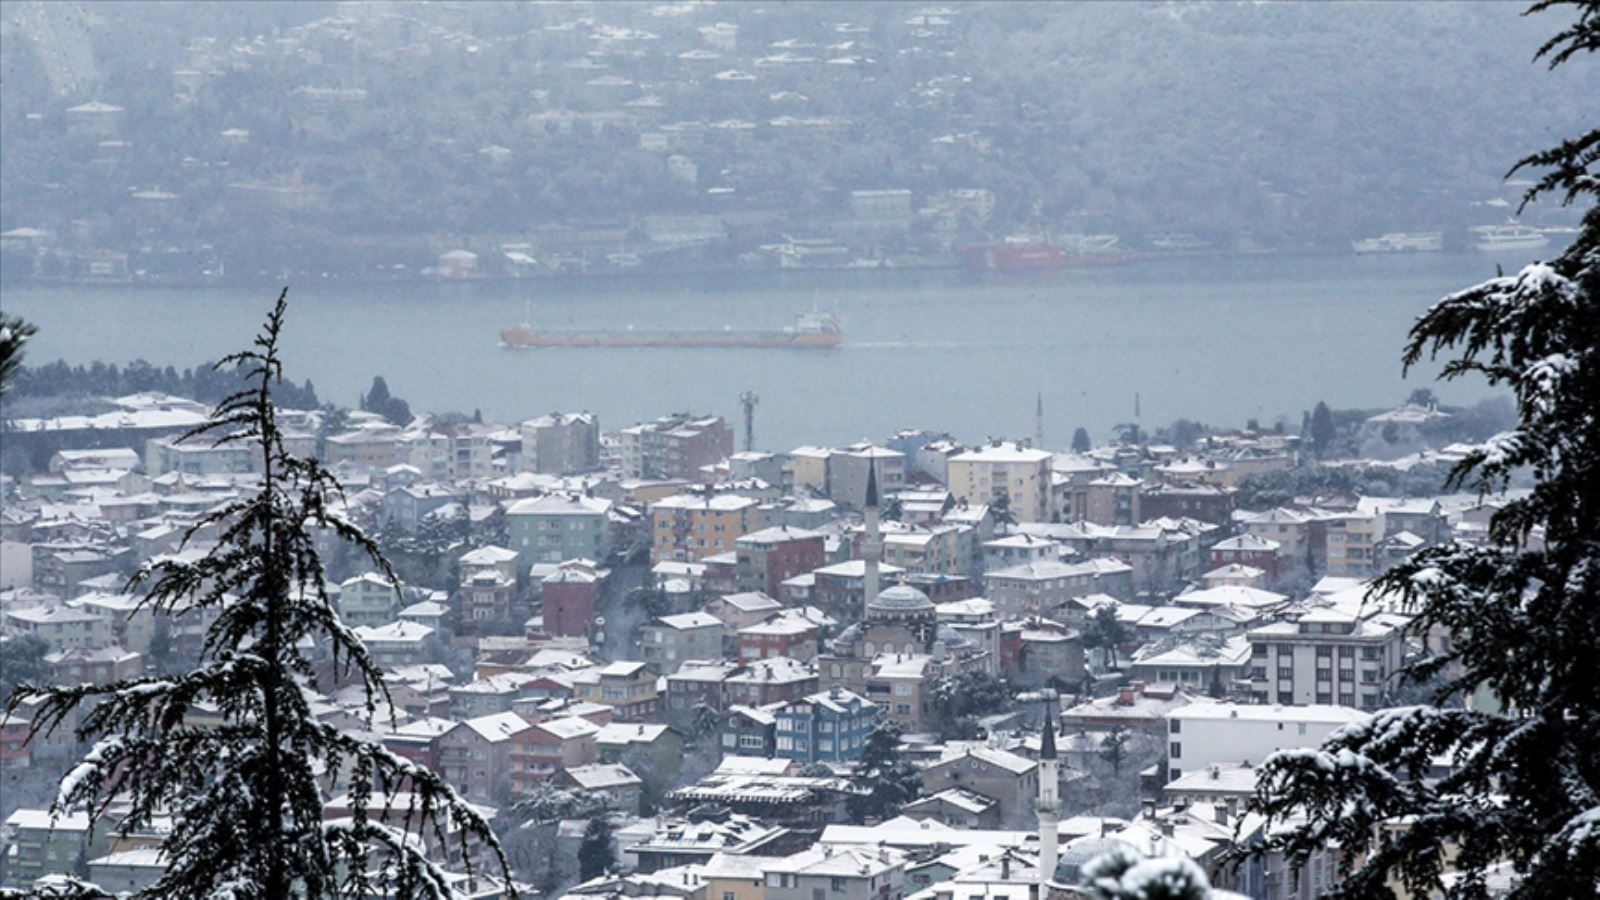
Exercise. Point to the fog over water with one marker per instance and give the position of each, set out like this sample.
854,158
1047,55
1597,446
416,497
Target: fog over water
1219,340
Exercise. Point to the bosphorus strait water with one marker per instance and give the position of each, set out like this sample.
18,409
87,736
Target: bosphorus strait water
1218,340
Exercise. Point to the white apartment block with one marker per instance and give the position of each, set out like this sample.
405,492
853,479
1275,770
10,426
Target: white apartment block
1330,655
1204,734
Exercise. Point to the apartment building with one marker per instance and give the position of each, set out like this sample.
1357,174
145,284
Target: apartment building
666,643
368,599
1332,654
561,443
675,446
1353,537
770,556
847,473
1114,499
1203,734
559,527
830,726
690,527
1004,471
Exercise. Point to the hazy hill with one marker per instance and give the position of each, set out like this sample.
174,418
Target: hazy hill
1287,124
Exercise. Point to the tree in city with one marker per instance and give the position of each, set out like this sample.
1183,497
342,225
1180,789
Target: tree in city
246,795
332,420
1105,631
958,700
1080,440
885,779
14,334
528,832
705,724
1114,748
378,399
1000,508
595,856
21,662
1524,785
1322,429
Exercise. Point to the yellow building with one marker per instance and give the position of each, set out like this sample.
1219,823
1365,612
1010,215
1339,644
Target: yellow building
1004,469
1352,544
808,468
689,527
729,876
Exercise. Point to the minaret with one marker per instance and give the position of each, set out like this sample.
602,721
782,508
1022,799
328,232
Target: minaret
1038,421
872,544
1049,805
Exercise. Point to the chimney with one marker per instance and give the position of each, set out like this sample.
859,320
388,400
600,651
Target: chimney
1005,867
1223,812
1166,828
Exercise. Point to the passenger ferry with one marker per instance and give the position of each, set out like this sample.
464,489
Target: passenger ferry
1401,242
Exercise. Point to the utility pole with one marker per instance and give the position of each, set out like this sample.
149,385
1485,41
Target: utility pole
748,400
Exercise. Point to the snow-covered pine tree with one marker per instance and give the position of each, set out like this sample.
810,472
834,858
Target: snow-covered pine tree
14,333
1522,612
247,796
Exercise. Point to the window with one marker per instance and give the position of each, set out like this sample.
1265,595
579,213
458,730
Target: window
1323,698
838,884
1175,726
1175,750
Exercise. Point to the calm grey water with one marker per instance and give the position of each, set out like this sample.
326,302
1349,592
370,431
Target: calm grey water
1218,340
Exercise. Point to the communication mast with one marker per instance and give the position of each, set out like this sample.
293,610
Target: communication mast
748,400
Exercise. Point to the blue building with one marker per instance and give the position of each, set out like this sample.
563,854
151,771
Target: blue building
830,726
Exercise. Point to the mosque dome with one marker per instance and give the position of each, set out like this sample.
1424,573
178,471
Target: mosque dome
901,600
1076,855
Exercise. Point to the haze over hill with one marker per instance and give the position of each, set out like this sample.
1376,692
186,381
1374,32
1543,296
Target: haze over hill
350,138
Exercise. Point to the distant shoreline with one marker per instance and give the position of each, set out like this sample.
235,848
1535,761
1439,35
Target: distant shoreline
608,276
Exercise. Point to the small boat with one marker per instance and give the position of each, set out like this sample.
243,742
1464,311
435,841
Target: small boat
1495,238
1180,242
1401,242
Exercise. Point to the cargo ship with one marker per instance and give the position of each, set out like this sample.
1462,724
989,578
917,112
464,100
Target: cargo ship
813,329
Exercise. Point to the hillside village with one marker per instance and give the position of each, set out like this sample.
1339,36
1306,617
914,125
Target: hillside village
383,141
913,667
